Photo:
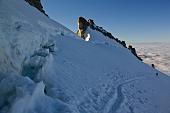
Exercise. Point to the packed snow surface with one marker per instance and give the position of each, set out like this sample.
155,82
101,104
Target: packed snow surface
155,53
46,68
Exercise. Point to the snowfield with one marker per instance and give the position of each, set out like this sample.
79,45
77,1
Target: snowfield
155,53
46,68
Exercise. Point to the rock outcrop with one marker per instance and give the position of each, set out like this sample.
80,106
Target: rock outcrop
37,4
133,50
82,26
153,66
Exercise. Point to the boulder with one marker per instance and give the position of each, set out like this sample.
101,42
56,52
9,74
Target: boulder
82,26
153,66
124,44
133,51
110,35
91,24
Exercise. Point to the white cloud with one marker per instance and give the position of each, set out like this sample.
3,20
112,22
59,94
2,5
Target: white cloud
155,53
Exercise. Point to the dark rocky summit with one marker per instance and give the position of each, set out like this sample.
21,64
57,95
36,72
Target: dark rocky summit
83,24
37,4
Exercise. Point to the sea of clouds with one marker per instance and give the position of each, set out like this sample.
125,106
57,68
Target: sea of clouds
155,53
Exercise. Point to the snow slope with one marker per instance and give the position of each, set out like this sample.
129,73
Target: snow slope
46,68
155,53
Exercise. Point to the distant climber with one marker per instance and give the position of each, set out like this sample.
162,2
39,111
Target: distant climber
45,90
82,27
153,66
156,74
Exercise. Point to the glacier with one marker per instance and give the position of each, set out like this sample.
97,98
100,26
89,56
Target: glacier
46,68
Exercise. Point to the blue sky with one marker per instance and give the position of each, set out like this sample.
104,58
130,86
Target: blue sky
129,20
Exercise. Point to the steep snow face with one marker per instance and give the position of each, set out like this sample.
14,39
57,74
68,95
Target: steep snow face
45,68
22,31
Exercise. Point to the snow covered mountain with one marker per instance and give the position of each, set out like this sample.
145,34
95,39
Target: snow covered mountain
155,53
46,68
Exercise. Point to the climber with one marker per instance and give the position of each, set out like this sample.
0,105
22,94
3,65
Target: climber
153,66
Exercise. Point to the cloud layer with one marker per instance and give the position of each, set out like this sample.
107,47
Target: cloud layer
155,53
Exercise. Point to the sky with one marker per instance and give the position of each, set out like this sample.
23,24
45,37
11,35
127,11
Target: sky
129,20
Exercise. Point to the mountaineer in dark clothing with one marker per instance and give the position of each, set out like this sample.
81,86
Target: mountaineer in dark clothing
153,66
